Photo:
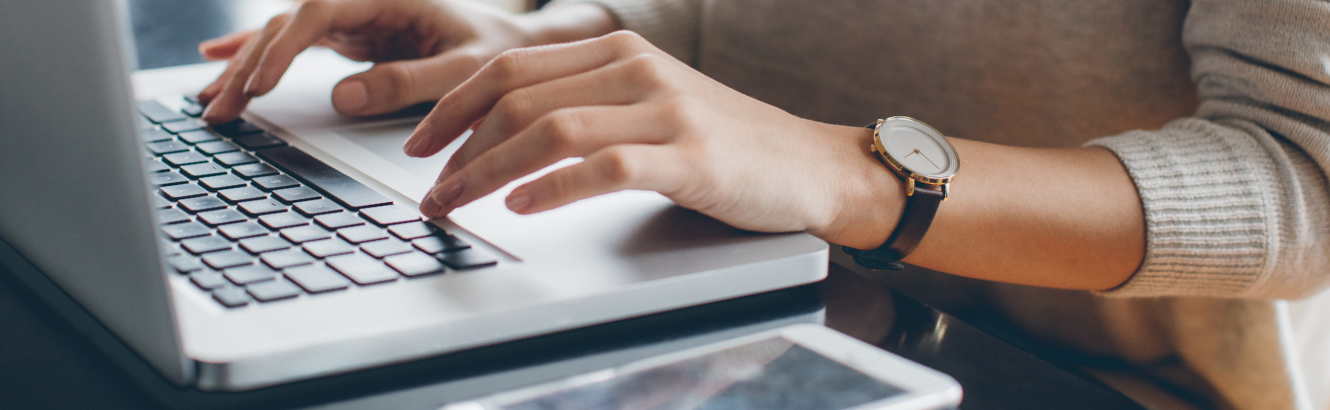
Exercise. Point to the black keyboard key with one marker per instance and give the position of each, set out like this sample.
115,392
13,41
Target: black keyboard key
184,263
177,127
283,220
238,231
259,141
167,178
362,269
193,111
259,207
227,259
273,290
389,215
205,244
337,185
198,136
254,170
225,181
339,220
158,203
287,258
270,183
207,280
245,275
317,207
203,170
330,247
386,248
237,128
317,279
171,216
185,230
231,297
413,230
362,234
167,147
156,166
440,243
216,147
178,192
290,195
263,244
467,259
181,159
201,204
232,159
249,193
414,264
158,113
221,217
302,234
155,135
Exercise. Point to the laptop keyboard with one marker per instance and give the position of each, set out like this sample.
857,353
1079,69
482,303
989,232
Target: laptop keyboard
252,220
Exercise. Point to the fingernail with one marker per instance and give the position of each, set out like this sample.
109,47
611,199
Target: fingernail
442,197
350,97
252,87
415,146
519,202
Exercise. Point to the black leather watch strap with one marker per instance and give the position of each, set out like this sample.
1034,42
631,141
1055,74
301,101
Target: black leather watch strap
920,209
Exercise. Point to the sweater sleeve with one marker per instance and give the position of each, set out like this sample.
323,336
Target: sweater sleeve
672,25
1236,198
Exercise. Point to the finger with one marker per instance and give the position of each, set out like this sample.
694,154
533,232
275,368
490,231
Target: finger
224,47
310,22
566,133
645,167
232,66
618,83
512,70
231,100
391,86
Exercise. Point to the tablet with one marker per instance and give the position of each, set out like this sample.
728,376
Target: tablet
794,367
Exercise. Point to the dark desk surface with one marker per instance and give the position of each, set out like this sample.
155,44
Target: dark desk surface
46,363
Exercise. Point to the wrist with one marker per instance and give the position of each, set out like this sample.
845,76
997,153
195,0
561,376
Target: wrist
870,197
567,23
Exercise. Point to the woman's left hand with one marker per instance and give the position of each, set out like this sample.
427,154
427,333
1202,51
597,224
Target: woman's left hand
643,120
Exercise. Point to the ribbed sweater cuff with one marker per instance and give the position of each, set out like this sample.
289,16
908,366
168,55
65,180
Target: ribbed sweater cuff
671,25
1206,207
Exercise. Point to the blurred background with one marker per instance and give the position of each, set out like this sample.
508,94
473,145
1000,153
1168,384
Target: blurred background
162,44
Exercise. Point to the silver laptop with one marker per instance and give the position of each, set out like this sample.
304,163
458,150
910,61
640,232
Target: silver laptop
287,246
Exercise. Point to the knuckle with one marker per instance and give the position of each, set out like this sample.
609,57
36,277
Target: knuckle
508,66
401,78
646,70
617,167
562,129
277,23
515,106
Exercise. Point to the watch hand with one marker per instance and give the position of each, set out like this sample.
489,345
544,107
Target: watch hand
929,160
916,151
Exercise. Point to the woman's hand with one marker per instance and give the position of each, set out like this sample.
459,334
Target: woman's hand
422,48
643,120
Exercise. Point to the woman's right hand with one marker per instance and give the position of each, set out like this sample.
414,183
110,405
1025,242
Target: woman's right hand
421,49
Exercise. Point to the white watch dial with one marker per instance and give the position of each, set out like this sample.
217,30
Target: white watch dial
918,148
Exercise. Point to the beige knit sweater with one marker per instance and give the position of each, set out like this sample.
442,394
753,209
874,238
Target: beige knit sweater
1218,108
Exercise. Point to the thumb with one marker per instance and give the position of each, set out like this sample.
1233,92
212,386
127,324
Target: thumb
395,85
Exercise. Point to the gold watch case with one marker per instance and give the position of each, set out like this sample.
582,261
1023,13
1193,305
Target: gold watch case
941,179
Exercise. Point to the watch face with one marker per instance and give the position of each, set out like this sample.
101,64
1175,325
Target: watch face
917,147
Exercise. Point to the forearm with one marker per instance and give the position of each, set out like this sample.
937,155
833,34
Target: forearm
1064,218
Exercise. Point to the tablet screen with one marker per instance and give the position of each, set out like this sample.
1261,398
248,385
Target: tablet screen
771,374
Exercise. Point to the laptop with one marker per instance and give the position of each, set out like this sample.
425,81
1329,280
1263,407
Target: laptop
287,245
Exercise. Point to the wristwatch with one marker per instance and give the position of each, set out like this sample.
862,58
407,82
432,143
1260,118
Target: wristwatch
920,156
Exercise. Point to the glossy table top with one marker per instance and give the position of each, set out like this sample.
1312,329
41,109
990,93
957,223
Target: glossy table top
46,363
